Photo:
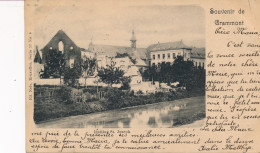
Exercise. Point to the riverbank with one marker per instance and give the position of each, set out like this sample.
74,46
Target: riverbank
157,115
56,107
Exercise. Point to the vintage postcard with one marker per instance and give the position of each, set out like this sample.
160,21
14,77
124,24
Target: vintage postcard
134,76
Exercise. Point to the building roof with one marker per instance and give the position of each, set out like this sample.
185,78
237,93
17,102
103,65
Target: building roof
195,52
85,50
167,46
38,56
59,36
140,62
110,50
198,53
132,71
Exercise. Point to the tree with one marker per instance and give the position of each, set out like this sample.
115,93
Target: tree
181,70
62,65
71,75
125,83
150,73
55,64
88,67
111,75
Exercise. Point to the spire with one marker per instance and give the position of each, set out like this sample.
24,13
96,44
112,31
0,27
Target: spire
133,36
91,46
133,40
37,58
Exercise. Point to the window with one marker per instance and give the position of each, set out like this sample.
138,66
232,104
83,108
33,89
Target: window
163,56
203,65
158,56
173,55
71,62
196,64
154,57
199,64
185,55
61,46
169,55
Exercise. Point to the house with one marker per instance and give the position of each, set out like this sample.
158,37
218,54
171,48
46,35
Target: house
87,54
106,53
135,75
167,52
198,57
124,63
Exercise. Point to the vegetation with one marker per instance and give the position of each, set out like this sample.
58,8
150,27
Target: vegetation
88,67
189,119
180,71
61,104
55,64
71,75
111,75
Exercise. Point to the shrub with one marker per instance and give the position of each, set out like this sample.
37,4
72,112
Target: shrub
64,94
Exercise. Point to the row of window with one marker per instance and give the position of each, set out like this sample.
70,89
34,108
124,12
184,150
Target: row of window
163,56
169,56
197,64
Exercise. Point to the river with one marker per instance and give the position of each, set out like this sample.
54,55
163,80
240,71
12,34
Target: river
159,115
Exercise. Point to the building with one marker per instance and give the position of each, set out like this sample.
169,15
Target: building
38,66
87,54
135,75
123,63
198,57
167,52
61,42
106,53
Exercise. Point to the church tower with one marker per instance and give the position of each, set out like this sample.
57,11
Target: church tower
133,40
91,45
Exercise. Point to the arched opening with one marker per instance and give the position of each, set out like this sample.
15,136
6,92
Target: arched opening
61,47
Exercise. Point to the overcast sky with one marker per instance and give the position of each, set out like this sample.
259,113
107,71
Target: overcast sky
113,26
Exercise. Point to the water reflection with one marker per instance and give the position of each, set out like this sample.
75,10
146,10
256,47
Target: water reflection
160,115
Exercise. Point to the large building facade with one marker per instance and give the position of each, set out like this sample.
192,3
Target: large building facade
168,52
198,57
62,43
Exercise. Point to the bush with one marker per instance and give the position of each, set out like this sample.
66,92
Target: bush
125,83
64,93
71,76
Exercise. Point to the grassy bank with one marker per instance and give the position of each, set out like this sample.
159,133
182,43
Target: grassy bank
59,102
189,119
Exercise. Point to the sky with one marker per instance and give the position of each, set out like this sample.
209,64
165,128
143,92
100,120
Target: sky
113,25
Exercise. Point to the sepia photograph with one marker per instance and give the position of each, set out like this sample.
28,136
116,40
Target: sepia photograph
129,67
